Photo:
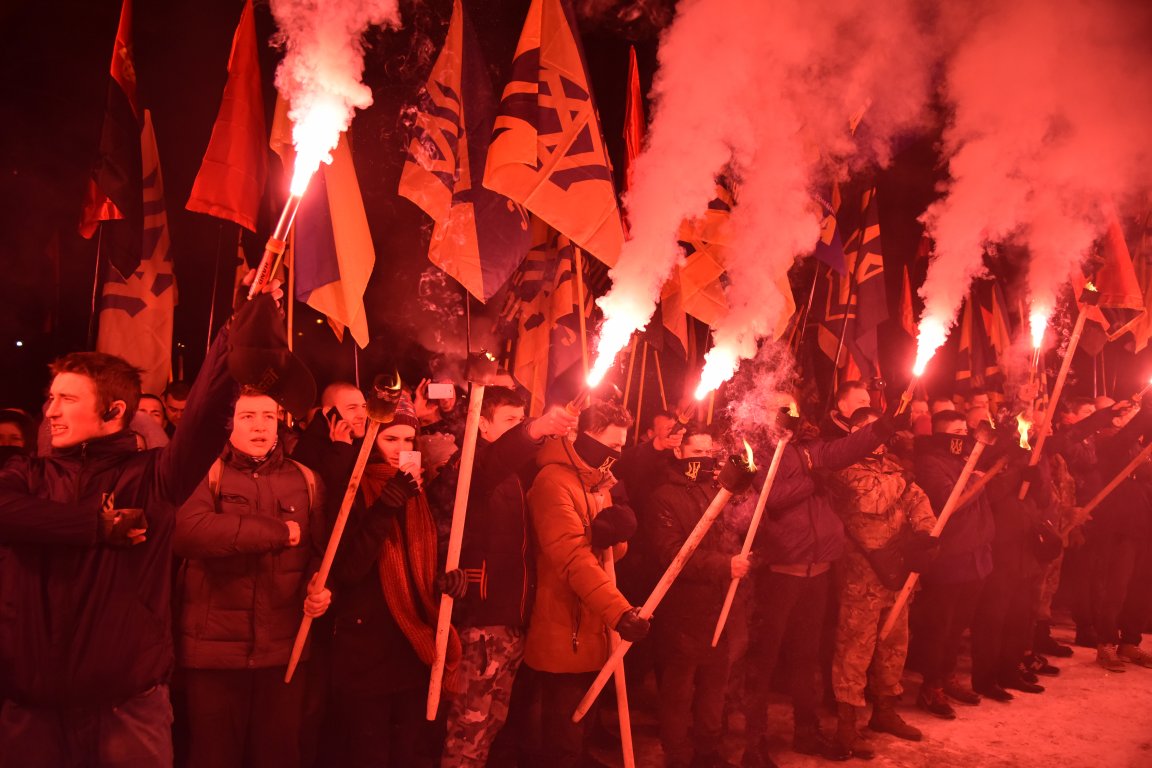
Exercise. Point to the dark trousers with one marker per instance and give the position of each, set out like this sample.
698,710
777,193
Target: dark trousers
244,718
133,734
946,610
1001,628
692,688
1076,578
384,730
1121,588
562,741
788,613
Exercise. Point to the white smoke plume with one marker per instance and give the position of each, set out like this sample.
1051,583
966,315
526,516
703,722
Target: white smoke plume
768,88
322,71
1051,102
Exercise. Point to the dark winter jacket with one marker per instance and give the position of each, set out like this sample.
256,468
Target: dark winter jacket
495,551
1126,511
1014,546
84,624
371,655
641,471
801,527
694,601
1077,444
966,541
242,585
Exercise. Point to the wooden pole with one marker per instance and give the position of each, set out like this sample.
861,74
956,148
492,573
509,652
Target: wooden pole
1049,412
753,527
950,506
1129,468
687,549
660,380
455,540
578,258
290,299
640,389
631,367
334,540
983,480
623,712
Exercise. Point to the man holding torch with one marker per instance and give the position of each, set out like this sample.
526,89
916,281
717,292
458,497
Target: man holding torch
800,541
575,518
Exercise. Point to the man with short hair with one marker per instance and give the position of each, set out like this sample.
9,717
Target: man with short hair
575,519
252,535
938,404
336,430
492,587
86,641
175,401
850,397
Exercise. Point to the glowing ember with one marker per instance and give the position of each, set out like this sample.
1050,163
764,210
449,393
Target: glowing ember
748,456
793,411
1022,426
719,366
1038,323
1089,286
933,334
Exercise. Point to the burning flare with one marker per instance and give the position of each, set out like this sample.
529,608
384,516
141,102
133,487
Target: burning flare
321,73
1038,323
933,334
719,365
748,457
1023,426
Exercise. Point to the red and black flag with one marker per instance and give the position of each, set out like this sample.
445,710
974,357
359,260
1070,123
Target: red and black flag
114,199
480,236
230,183
984,338
547,151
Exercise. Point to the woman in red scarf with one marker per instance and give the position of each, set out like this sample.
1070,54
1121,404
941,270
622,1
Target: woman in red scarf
385,606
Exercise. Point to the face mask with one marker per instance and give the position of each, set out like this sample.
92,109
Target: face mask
698,469
594,453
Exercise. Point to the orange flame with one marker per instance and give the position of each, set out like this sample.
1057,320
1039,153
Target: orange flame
748,456
1022,426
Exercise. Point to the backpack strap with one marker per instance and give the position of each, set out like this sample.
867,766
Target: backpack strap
214,474
309,480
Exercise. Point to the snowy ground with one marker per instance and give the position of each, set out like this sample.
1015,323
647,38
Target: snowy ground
1087,718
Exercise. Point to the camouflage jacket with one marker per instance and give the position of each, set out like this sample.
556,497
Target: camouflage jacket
876,499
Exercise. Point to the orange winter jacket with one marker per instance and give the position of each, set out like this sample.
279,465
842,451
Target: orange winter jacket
575,601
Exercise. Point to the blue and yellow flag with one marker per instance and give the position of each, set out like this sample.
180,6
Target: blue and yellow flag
480,236
136,311
547,151
333,252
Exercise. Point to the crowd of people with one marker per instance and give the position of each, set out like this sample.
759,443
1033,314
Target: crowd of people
158,553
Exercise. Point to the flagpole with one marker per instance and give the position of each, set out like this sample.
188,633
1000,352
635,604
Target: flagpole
843,334
579,265
95,289
807,308
215,285
640,389
290,261
660,379
631,368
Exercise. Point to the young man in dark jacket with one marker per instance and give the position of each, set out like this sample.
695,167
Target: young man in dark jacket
694,675
492,586
86,632
800,538
951,586
252,534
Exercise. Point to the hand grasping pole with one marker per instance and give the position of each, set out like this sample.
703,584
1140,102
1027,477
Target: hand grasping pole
381,409
734,478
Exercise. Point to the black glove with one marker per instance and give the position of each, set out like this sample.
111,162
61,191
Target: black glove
398,490
453,583
115,525
613,525
884,427
632,626
920,551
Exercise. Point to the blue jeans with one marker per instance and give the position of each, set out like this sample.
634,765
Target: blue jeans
136,733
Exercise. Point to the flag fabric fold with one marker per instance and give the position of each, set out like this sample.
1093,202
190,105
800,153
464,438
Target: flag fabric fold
333,253
480,236
984,338
547,152
113,196
232,175
136,311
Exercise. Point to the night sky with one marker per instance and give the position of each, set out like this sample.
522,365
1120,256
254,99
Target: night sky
52,93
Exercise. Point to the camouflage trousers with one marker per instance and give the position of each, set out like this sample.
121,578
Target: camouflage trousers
489,659
861,660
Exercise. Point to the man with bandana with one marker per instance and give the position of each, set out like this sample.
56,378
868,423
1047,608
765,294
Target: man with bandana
576,519
878,504
694,675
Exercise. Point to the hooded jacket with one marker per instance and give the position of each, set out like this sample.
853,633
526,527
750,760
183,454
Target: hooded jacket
243,586
84,624
801,527
966,541
575,600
